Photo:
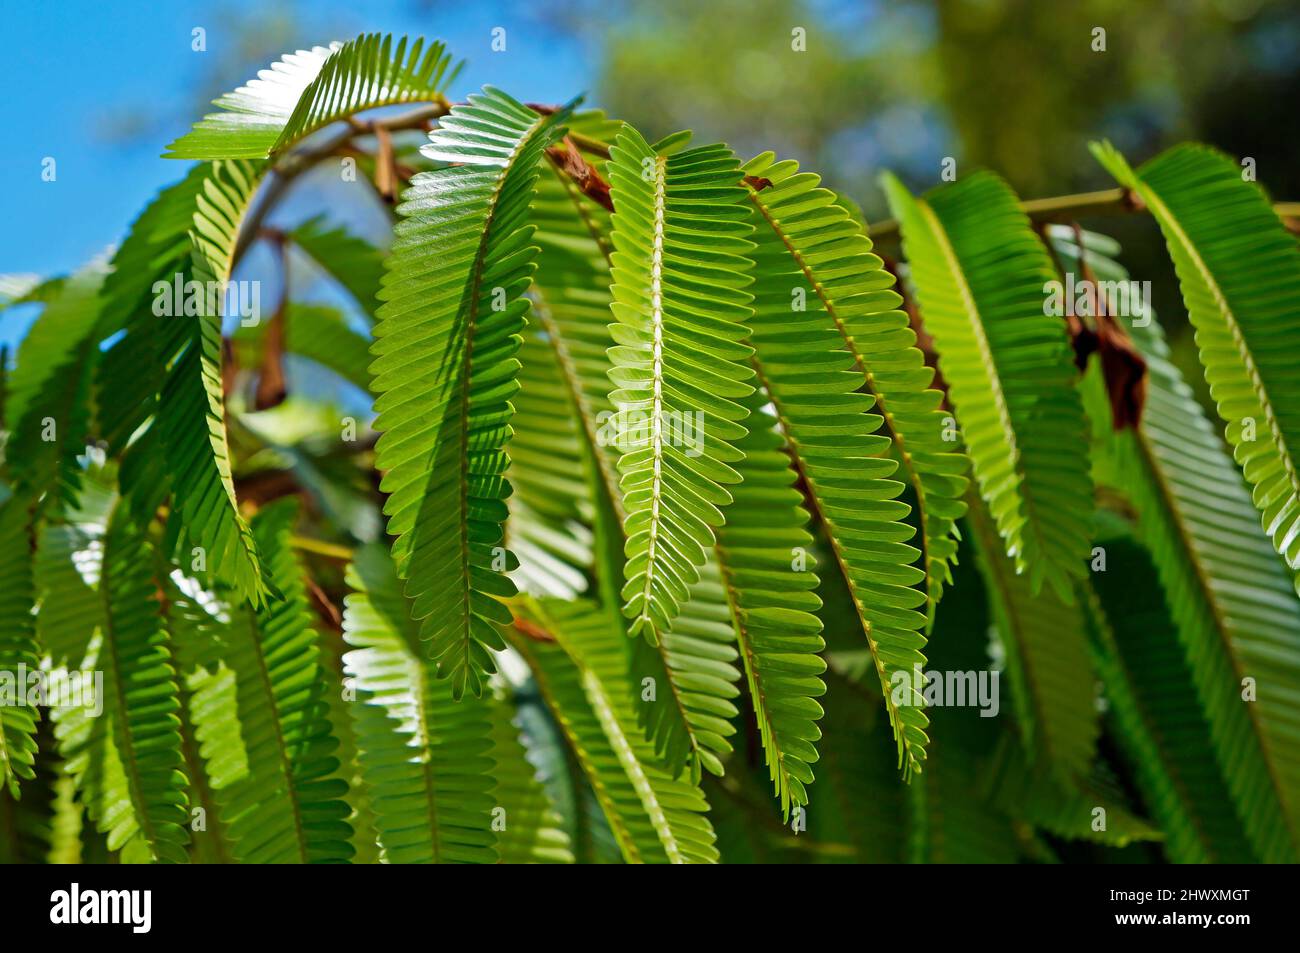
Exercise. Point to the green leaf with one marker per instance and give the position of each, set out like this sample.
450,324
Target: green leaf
815,384
692,665
18,648
191,409
49,403
445,370
67,570
981,276
654,817
1239,269
531,831
127,760
1162,727
1231,599
1047,660
1091,809
837,269
425,757
280,802
308,90
764,552
157,248
678,273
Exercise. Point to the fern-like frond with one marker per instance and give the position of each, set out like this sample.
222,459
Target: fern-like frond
685,682
654,817
67,568
981,276
1092,808
815,385
1150,690
445,370
1239,269
191,406
686,705
127,760
857,766
425,757
679,273
950,821
280,802
765,555
48,404
550,508
1047,660
838,268
1230,597
308,90
529,831
157,249
18,648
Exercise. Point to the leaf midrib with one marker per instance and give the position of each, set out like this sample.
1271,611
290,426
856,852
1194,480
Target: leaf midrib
466,379
814,496
1163,214
896,435
657,374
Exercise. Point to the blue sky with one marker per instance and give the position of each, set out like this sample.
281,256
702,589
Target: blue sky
68,66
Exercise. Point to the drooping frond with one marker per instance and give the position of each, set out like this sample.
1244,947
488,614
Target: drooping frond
583,677
68,568
981,276
157,249
308,90
685,684
679,274
1230,597
765,556
445,370
191,409
425,757
686,706
349,259
529,831
550,475
48,404
815,384
28,822
127,760
1239,269
279,801
1150,690
18,649
572,287
1047,661
836,266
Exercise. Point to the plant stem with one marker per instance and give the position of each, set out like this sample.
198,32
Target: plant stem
1065,208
